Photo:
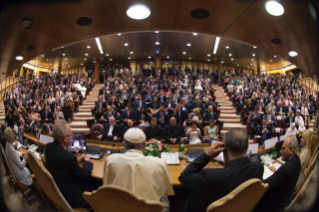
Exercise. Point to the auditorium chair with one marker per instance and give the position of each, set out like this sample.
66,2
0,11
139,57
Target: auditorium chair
93,111
95,131
51,193
76,106
119,199
277,131
246,196
81,100
314,143
51,126
279,122
26,191
89,122
120,138
118,120
256,139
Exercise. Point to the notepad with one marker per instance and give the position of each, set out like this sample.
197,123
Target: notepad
277,165
171,158
267,172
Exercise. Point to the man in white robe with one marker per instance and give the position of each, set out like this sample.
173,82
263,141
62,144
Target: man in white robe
145,176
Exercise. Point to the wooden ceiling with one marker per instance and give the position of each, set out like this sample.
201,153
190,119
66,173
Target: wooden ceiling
54,25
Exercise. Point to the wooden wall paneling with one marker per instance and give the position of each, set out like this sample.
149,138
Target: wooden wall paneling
211,67
200,66
206,66
189,64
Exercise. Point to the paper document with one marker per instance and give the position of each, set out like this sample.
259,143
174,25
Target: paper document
46,139
171,158
18,144
277,165
267,172
270,143
253,148
280,160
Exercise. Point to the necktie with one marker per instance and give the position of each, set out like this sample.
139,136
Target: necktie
58,117
179,118
128,113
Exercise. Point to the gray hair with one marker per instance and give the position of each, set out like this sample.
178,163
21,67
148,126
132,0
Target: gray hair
59,130
236,141
293,142
130,145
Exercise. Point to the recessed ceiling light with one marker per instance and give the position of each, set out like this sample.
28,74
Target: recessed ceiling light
66,63
149,57
107,55
88,47
293,53
232,59
274,8
26,23
189,44
65,58
267,64
227,47
248,67
208,60
190,58
84,58
270,60
254,55
125,44
129,58
62,47
252,58
166,63
94,62
119,34
86,54
184,52
208,55
157,43
230,55
167,57
156,31
110,59
47,59
251,64
195,33
69,66
81,64
19,57
275,56
50,63
131,52
237,64
255,47
63,54
43,55
138,12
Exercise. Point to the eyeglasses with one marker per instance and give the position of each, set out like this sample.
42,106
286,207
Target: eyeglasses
70,134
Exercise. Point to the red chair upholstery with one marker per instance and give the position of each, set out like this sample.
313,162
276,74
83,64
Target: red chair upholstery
51,126
96,130
89,122
76,106
279,123
276,134
93,111
256,140
81,100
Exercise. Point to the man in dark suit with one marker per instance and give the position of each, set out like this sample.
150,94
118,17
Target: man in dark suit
46,115
139,103
153,131
169,105
209,185
290,119
281,110
270,119
210,114
196,103
283,182
128,114
255,121
101,90
173,132
101,103
111,131
264,131
162,117
71,179
290,108
180,115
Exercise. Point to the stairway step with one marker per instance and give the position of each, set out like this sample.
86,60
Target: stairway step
78,124
229,116
80,130
226,108
83,118
228,126
83,114
87,106
2,118
228,111
233,120
85,109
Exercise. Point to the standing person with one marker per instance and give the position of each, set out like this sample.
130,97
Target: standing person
148,176
283,182
209,185
71,179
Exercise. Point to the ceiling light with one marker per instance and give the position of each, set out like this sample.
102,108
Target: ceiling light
88,47
110,59
47,59
65,58
167,57
81,64
270,60
63,54
157,43
267,64
19,57
84,58
119,34
208,55
216,44
98,42
86,54
94,62
107,55
131,52
195,33
208,60
255,47
43,55
232,59
166,63
50,63
62,47
274,8
230,55
254,55
237,64
129,58
190,58
293,53
125,44
189,44
156,31
252,58
149,57
69,66
66,63
275,56
184,52
248,67
138,12
227,47
251,64
222,61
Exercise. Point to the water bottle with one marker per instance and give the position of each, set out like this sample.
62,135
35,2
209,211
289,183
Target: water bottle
181,150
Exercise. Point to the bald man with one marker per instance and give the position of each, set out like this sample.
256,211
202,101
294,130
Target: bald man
173,132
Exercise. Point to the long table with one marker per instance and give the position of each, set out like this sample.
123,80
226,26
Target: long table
175,170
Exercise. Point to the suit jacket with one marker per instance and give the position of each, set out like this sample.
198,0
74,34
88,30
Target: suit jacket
71,179
203,181
173,132
283,109
98,104
151,132
281,186
196,105
132,116
115,132
260,131
158,116
208,116
49,116
182,117
137,104
272,118
291,108
172,105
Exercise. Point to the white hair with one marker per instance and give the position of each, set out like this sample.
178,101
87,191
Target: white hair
293,142
59,130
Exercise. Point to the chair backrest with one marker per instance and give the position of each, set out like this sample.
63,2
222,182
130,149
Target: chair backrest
118,199
186,129
246,196
97,127
47,183
275,133
314,143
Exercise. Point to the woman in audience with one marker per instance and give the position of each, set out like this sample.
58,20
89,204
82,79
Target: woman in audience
37,107
67,110
193,134
45,103
206,97
18,167
249,107
211,131
305,155
99,115
45,130
196,117
143,117
75,97
68,93
154,106
51,99
113,103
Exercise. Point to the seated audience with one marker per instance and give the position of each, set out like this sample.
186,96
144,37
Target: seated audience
292,130
283,182
128,114
173,132
149,176
142,117
111,131
196,117
193,134
153,132
71,179
209,185
180,115
264,131
211,131
162,116
99,115
255,121
290,119
58,114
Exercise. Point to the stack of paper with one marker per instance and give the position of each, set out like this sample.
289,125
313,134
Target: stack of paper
267,172
170,157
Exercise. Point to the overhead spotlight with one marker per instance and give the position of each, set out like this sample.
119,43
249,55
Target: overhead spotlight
63,54
19,57
254,55
275,56
110,59
237,64
47,59
230,55
195,33
81,64
125,44
84,58
86,54
208,55
222,61
252,58
65,58
190,58
274,8
251,64
293,53
62,47
227,47
167,57
255,47
248,67
43,55
66,63
119,34
189,44
107,55
94,61
232,59
138,12
50,63
166,63
184,52
270,60
88,47
131,52
208,60
129,58
267,64
149,57
216,44
157,43
156,31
